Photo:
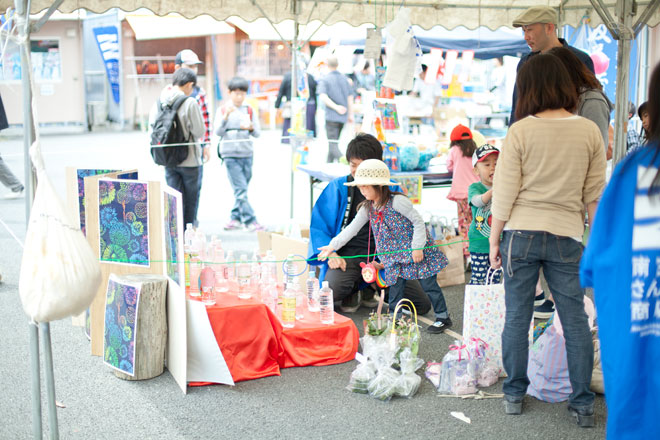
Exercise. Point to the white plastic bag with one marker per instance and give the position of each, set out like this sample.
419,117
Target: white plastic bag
59,272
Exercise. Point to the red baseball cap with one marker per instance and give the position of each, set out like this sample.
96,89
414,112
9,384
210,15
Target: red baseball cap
460,132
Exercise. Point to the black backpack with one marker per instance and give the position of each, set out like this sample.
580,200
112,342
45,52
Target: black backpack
167,130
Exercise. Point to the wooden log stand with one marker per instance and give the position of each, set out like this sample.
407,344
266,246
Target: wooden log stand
151,326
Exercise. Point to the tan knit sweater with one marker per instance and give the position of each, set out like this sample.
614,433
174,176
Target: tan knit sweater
549,169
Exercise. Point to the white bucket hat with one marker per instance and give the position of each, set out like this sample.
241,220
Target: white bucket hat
372,172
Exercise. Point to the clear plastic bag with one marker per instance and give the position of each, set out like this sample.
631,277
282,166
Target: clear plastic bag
361,376
383,385
59,272
433,370
408,382
458,374
487,372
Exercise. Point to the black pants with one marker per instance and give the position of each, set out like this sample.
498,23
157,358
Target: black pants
333,131
188,181
345,283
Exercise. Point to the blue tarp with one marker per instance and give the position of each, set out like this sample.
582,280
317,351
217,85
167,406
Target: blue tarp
484,42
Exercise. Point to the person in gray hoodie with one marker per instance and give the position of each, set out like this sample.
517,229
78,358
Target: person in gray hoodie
185,177
593,104
235,123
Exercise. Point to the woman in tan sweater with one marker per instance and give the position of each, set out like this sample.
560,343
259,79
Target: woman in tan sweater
551,170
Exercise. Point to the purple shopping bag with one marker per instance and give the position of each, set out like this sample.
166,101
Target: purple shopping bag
548,368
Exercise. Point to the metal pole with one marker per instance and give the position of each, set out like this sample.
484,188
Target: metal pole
293,143
624,13
22,15
28,123
36,381
44,327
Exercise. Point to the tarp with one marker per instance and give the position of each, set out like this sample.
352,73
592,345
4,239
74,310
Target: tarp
484,42
472,14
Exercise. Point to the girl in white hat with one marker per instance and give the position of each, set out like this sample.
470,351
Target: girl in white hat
403,245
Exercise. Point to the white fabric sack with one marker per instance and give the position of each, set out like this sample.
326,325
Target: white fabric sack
404,53
59,272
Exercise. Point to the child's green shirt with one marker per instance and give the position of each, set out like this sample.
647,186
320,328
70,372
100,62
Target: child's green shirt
479,231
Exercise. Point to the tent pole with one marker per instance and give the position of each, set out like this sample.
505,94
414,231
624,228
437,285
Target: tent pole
28,134
624,13
28,123
294,55
37,429
44,328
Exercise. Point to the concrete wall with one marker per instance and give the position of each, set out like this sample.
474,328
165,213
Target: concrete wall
58,102
140,94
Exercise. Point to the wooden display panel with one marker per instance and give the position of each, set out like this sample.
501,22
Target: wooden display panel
155,232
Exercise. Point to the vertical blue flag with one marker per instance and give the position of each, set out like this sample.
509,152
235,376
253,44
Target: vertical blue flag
107,39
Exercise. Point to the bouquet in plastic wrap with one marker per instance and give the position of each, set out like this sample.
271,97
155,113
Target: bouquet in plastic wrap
375,329
458,374
487,372
362,375
383,385
387,343
404,332
408,382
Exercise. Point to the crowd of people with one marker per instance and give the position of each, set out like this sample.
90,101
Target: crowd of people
522,209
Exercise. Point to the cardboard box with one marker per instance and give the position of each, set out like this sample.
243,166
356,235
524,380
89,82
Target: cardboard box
266,242
283,247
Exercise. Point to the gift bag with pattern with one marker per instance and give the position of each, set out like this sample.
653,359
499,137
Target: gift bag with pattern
483,317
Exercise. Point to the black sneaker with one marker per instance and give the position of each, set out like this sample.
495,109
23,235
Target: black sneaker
351,303
539,299
369,298
439,326
585,417
545,310
512,405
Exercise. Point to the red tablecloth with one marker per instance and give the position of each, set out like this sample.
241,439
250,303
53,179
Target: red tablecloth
254,343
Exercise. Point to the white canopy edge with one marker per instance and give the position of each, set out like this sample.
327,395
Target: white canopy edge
153,27
424,13
261,29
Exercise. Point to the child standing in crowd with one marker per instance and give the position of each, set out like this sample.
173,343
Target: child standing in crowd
643,113
235,123
480,195
401,238
459,163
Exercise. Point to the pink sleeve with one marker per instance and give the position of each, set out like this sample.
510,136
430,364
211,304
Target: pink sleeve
451,158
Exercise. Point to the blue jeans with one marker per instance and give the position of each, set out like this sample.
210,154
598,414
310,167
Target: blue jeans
432,289
523,254
239,171
188,181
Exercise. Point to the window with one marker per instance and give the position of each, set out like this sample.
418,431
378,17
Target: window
45,58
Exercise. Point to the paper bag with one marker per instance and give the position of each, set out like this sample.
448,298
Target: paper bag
454,272
483,317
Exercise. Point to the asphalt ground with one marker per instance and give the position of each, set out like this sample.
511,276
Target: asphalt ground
302,403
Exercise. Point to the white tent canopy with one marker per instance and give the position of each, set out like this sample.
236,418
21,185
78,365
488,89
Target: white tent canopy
260,29
425,13
152,27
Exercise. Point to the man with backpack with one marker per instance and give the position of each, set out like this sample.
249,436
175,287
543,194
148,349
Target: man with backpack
176,120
